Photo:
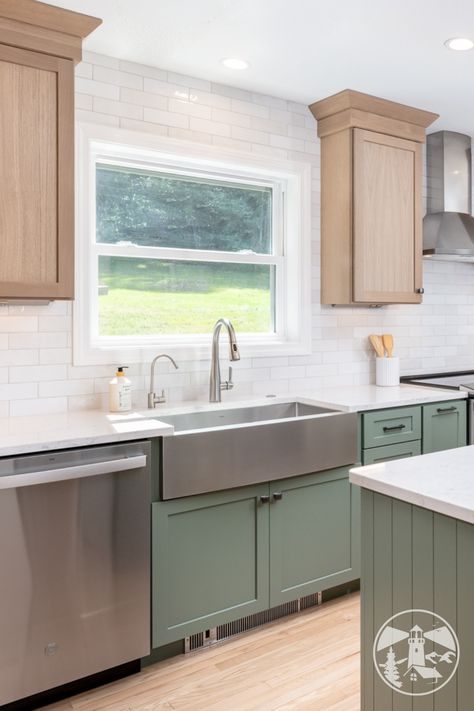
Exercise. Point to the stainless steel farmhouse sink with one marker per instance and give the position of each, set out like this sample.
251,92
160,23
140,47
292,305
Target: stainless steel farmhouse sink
225,448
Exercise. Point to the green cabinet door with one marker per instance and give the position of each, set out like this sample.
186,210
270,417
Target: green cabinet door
210,561
444,426
314,534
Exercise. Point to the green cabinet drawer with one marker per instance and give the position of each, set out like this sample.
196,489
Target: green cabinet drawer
314,534
444,426
210,561
381,427
390,452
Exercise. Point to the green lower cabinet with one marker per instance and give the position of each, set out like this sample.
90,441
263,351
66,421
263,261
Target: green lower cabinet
444,426
210,561
314,534
222,556
390,452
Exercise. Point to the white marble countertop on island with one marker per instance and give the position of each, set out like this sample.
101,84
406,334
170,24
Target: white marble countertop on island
39,433
442,482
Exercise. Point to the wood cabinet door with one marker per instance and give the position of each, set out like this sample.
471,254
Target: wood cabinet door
314,534
36,175
444,426
387,239
209,561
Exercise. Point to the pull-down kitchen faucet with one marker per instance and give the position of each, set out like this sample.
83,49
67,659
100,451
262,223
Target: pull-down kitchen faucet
215,383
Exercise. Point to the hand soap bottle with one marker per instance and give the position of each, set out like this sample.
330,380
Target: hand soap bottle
120,392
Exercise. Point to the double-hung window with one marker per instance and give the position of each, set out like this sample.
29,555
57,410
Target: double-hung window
172,237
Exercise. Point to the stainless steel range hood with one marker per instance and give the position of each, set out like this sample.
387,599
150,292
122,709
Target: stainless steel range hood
448,227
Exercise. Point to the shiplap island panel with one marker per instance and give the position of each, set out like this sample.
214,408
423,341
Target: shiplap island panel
418,555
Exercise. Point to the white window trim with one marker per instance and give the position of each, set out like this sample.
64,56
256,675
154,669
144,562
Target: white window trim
293,336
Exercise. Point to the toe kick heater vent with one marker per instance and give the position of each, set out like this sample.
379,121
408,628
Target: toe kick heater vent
207,638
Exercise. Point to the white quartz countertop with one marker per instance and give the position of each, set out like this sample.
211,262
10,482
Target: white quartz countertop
21,435
371,397
38,433
441,482
357,398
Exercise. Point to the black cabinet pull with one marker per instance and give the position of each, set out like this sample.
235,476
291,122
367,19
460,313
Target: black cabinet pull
395,428
446,410
264,499
420,290
277,496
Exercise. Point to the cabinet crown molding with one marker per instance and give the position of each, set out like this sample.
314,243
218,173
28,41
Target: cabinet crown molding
36,26
353,109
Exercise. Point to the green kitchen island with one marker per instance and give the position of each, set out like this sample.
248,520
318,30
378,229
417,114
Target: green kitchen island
417,583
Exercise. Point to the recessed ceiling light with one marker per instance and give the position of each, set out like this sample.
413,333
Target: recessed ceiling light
460,44
234,63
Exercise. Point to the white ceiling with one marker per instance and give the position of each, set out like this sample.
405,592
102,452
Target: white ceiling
304,49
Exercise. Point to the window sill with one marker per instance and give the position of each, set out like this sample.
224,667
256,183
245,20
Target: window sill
199,350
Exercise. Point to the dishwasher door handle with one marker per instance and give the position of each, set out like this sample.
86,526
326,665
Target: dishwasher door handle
48,476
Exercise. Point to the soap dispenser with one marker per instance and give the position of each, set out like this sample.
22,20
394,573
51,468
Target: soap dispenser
120,392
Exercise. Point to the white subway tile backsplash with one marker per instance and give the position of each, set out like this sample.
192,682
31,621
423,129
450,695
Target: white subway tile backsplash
54,323
38,406
36,373
36,370
142,70
97,118
18,324
101,60
246,107
143,98
191,82
55,355
167,118
113,76
97,88
84,102
213,127
249,134
53,388
84,70
144,126
165,88
18,391
19,357
117,108
191,108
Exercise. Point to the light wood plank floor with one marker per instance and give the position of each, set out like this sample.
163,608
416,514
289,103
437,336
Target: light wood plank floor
305,662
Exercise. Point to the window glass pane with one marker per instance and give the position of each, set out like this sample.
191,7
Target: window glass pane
160,210
154,296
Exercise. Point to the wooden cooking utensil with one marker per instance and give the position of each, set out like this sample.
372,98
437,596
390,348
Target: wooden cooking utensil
387,340
377,345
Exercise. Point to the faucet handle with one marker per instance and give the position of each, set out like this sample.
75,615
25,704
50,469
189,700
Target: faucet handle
228,384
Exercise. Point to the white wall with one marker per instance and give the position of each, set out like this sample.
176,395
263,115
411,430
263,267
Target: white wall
36,371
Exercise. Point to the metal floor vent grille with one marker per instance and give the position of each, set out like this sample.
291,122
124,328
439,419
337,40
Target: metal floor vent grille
201,640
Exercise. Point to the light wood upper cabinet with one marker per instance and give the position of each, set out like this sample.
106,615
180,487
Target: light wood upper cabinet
37,149
371,212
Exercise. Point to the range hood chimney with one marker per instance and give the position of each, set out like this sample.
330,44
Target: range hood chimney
448,226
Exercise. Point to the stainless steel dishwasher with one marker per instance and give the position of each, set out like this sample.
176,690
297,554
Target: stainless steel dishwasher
74,565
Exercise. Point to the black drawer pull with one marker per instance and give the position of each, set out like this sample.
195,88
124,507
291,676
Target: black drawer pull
277,496
264,499
395,428
446,410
